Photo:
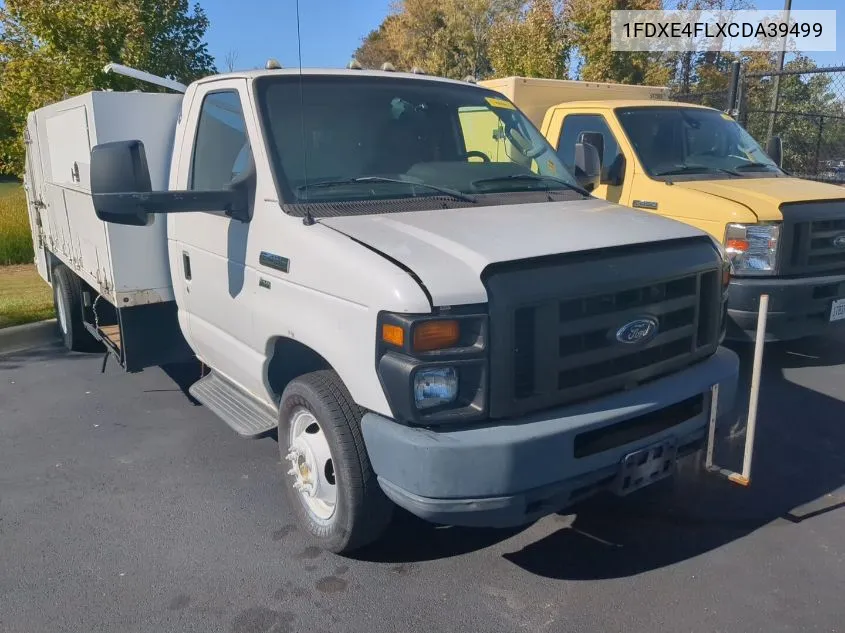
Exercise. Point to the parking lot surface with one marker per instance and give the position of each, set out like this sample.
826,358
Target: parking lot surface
125,506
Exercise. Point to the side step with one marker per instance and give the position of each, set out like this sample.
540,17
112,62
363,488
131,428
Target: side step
247,417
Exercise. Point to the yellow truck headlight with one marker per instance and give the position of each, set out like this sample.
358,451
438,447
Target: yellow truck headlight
753,248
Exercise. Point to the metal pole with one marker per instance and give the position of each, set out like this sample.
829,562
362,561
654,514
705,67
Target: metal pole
733,89
126,71
816,166
711,426
742,478
787,7
751,427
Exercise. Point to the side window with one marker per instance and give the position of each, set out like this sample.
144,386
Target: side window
573,126
221,147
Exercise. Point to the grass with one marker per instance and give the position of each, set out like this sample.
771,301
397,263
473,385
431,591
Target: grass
24,296
15,235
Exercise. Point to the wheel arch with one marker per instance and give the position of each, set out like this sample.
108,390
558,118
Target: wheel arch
288,359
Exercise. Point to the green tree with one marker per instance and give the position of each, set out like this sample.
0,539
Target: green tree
532,42
376,47
50,50
449,38
589,22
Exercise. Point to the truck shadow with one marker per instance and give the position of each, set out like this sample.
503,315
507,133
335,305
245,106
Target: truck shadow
797,462
46,352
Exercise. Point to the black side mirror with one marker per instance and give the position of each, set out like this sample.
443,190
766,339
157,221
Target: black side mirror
596,139
122,192
587,166
774,148
615,176
120,168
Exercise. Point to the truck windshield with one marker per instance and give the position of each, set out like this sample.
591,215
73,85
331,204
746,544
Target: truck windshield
335,138
671,141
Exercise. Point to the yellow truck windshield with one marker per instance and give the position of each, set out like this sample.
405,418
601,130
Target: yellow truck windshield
672,141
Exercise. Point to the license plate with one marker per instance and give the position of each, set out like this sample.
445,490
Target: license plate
645,466
837,310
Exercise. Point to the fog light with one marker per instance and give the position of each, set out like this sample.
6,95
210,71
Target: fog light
434,387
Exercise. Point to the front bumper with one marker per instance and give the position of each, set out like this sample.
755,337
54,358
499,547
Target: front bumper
511,472
797,307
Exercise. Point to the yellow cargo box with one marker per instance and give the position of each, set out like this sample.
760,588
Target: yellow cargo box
535,96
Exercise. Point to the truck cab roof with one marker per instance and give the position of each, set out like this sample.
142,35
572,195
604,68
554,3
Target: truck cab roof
612,104
340,72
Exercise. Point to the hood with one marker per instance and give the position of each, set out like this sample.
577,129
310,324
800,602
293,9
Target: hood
763,196
449,248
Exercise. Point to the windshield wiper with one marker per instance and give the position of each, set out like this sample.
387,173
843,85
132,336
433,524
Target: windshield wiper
752,166
535,178
369,179
686,169
697,169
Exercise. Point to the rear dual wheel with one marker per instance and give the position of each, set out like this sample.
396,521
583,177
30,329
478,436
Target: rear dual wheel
67,301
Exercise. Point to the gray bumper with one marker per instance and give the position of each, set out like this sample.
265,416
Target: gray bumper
511,472
798,307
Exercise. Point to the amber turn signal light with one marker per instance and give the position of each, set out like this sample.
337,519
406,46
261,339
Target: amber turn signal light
393,334
433,335
737,245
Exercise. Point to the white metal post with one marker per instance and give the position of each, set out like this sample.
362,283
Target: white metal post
126,71
743,478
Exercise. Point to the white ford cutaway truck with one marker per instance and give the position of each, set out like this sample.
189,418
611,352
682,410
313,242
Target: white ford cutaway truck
472,338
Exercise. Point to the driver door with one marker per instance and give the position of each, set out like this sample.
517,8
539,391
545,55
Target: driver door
209,258
572,129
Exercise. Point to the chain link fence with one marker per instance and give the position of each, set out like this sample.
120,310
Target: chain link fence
716,99
805,107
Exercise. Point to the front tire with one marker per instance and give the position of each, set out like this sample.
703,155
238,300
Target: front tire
330,485
67,301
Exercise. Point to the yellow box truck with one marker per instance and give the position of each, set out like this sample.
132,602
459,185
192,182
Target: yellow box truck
785,236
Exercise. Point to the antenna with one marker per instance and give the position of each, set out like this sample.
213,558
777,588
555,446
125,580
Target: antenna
308,219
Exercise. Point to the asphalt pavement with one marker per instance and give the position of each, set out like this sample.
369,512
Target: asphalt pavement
125,506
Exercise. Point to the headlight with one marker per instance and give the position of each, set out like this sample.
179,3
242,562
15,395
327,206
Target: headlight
752,248
435,386
433,367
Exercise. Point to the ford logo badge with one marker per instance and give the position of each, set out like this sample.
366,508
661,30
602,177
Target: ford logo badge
638,331
839,241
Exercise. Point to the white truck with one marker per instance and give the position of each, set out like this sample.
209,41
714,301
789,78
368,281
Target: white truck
479,342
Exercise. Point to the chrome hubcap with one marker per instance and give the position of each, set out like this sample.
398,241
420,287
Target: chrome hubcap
311,465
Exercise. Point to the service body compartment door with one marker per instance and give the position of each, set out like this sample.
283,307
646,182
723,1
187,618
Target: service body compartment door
70,148
33,184
81,236
65,143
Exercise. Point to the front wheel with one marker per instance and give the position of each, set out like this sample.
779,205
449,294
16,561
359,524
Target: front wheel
329,484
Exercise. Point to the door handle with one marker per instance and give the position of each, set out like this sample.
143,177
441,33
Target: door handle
186,265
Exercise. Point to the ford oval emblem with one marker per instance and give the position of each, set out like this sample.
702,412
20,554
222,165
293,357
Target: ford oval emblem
639,331
839,241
